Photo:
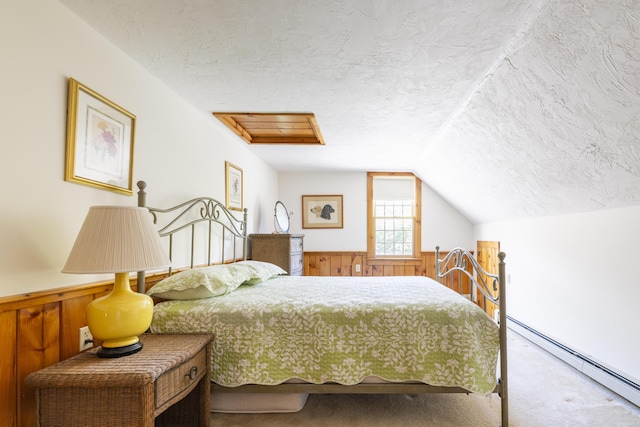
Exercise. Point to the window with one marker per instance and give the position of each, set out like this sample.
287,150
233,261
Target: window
394,212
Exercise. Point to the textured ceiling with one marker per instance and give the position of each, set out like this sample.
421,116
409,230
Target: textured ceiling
507,108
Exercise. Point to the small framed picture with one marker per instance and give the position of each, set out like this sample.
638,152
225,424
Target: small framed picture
233,180
322,211
100,136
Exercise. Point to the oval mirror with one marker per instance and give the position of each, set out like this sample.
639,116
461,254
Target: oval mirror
281,218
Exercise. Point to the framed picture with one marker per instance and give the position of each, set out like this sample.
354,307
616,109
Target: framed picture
234,184
322,211
100,136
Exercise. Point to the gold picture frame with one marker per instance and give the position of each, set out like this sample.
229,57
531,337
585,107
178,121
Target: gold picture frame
100,141
234,186
324,211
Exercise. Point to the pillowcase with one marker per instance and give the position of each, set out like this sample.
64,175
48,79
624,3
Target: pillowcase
262,271
202,282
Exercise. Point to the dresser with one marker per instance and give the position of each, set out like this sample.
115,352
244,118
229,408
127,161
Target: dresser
283,250
165,384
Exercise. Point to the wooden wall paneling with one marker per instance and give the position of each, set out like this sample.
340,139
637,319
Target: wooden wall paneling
8,383
310,265
346,262
377,270
367,269
429,264
324,266
335,265
357,260
38,346
73,316
421,270
412,270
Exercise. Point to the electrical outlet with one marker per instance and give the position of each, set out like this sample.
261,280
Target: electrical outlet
357,268
86,339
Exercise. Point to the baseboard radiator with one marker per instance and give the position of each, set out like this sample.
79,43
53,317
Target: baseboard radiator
603,375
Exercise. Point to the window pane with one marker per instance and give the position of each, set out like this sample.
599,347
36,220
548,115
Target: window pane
394,227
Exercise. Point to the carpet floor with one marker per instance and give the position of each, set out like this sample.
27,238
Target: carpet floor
543,392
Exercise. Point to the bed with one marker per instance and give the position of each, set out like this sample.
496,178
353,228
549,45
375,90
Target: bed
279,334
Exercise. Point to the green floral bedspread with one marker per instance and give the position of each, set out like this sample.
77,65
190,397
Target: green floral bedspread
341,329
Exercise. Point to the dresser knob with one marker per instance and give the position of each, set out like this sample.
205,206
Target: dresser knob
193,373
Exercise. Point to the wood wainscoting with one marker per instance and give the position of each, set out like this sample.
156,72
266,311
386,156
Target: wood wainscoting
38,330
345,264
42,328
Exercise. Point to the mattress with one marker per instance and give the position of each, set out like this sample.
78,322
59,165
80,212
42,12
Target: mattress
341,330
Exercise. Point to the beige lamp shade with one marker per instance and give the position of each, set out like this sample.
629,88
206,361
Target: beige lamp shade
116,239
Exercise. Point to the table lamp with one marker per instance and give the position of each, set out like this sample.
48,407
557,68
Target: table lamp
120,240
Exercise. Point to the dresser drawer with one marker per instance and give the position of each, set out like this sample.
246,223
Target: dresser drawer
181,379
296,245
296,262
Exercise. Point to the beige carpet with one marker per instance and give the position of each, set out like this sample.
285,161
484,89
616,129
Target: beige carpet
544,392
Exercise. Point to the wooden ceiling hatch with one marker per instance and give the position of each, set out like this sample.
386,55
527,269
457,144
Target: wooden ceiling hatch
274,128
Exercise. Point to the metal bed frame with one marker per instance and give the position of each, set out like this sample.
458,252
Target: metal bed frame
457,265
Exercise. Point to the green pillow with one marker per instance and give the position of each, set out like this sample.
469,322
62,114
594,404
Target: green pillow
202,282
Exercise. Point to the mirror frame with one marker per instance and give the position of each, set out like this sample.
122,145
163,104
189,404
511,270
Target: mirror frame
280,216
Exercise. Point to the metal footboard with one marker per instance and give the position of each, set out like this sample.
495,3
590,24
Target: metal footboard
459,265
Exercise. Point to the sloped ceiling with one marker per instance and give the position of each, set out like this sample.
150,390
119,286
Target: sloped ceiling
507,108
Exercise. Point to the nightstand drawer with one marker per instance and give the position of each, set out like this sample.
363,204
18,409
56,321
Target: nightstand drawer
181,379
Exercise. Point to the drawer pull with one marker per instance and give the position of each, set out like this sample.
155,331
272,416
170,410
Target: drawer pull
193,373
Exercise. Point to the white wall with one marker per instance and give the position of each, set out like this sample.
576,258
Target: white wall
179,150
575,279
441,224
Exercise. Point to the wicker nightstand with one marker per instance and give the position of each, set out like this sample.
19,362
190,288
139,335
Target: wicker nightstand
167,379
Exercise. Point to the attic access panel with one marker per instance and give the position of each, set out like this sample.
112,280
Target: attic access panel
274,128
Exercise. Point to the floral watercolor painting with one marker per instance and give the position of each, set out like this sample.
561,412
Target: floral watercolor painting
100,140
233,180
104,151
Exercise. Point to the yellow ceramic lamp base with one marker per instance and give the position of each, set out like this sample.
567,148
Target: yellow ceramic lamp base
118,318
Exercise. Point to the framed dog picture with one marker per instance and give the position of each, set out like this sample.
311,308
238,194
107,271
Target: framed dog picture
322,211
